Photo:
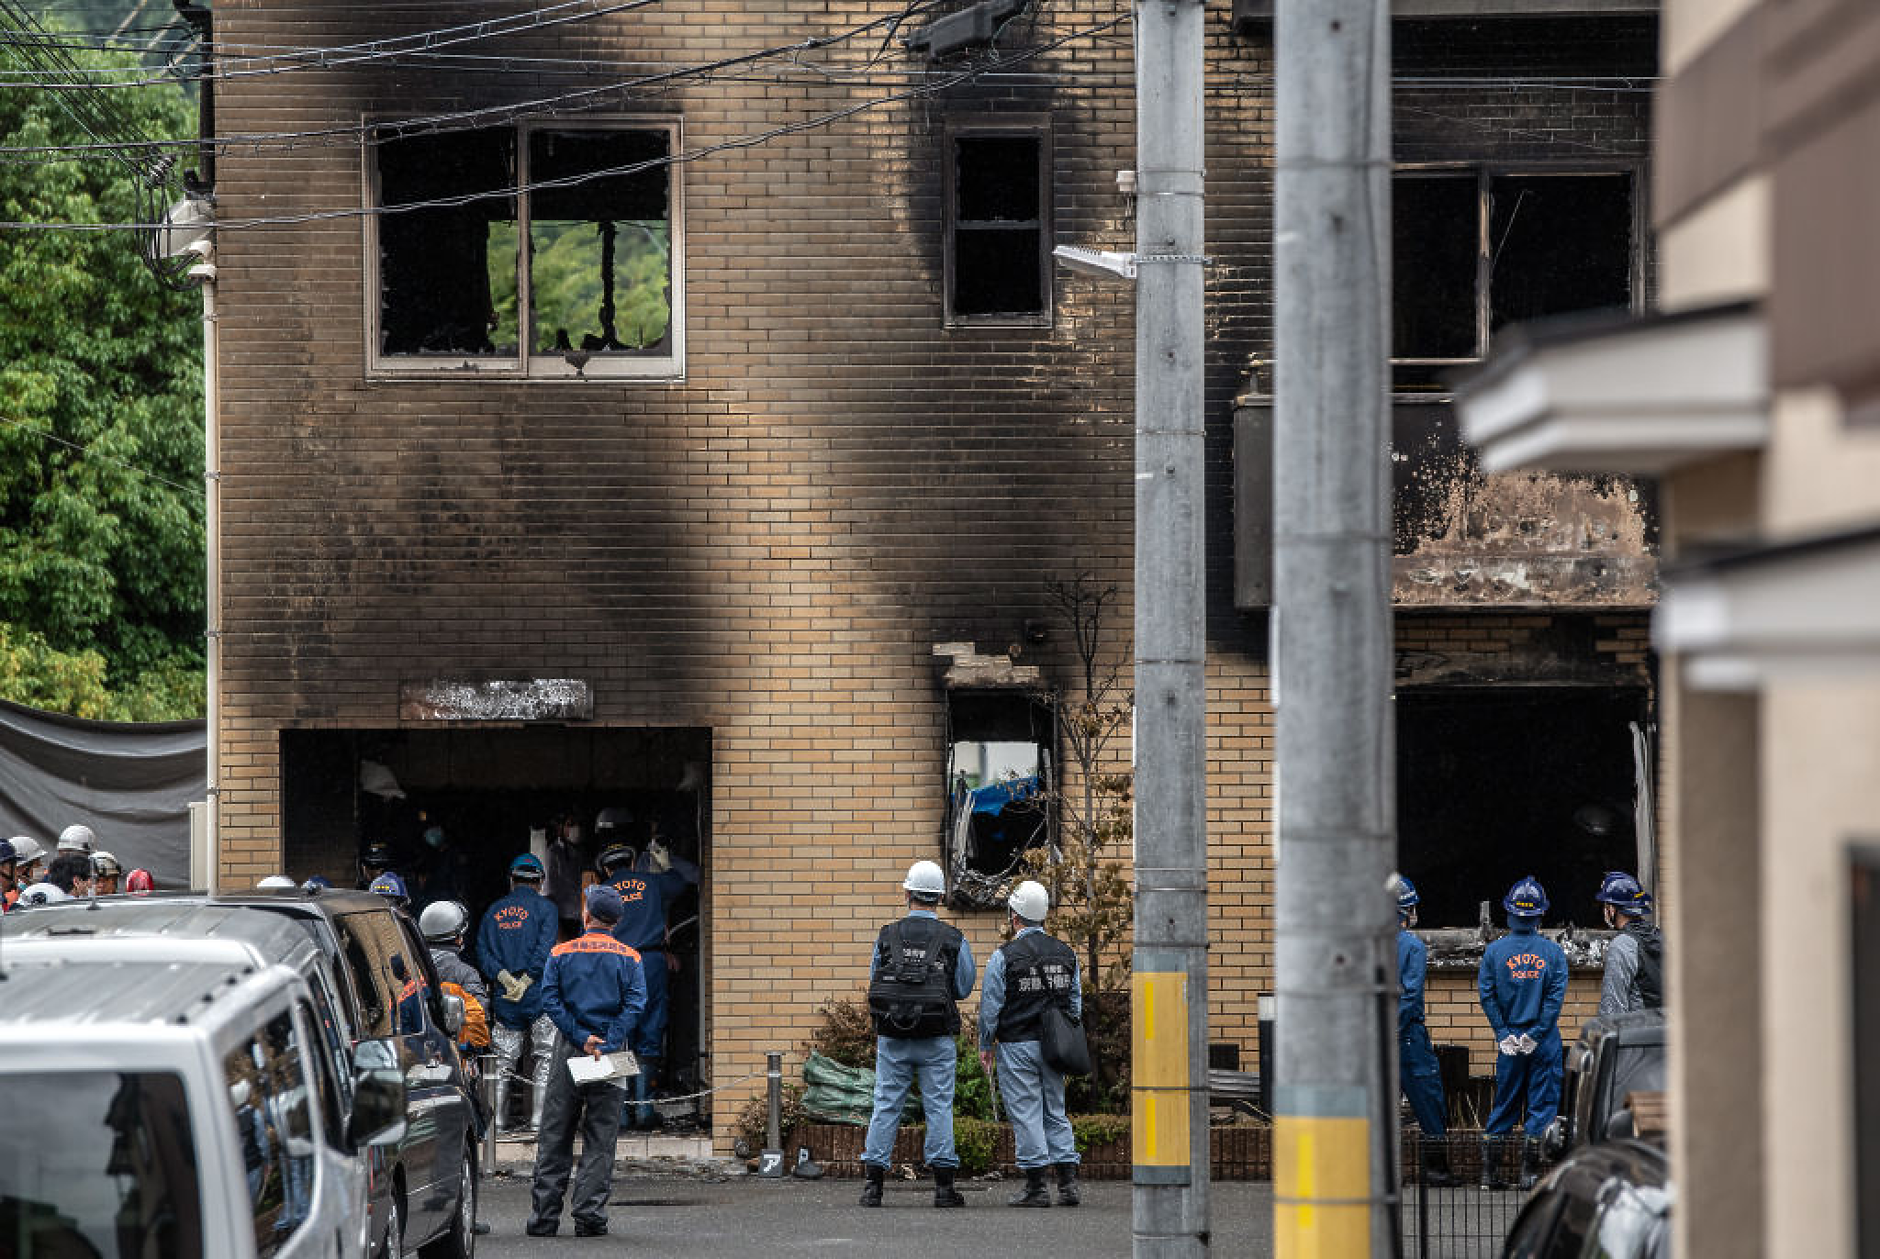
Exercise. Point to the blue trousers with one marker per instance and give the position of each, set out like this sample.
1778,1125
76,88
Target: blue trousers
1422,1079
1033,1092
898,1064
1531,1078
649,1034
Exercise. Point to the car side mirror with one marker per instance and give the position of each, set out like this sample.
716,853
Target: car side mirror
453,1014
378,1109
1559,1134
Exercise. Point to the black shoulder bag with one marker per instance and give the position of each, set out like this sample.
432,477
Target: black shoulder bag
1061,1040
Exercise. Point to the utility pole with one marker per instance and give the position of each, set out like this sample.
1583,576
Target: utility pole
1335,1103
1169,980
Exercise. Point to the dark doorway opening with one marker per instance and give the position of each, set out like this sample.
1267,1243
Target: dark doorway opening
1495,784
496,793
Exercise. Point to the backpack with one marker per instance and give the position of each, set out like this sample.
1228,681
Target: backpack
1651,964
911,995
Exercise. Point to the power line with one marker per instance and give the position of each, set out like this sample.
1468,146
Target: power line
89,453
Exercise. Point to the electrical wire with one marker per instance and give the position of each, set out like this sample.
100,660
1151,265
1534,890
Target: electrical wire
89,453
690,155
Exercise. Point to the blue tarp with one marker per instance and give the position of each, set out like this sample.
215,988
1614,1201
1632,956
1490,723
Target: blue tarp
993,797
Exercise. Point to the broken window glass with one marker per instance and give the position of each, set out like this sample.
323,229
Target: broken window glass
999,780
999,227
594,282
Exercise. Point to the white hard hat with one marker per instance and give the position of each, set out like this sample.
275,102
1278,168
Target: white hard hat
926,879
77,838
43,894
105,865
443,920
1029,901
276,883
27,850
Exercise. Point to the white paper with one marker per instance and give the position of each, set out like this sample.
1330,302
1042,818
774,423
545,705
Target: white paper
586,1070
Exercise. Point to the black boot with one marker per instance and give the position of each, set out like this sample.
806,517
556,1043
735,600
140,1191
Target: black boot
1491,1164
1034,1193
944,1194
1436,1173
871,1192
1067,1185
1530,1163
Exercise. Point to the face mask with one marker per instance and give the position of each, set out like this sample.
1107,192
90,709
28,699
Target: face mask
434,836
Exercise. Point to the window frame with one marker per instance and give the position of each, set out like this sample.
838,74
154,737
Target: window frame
1486,173
1036,126
526,364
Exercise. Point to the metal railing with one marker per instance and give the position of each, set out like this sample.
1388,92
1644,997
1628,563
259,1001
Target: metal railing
1461,1192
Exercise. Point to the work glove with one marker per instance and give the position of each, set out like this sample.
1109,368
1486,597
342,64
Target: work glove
1509,1045
513,985
1528,1043
657,855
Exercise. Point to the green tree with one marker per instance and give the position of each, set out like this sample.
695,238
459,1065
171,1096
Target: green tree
101,511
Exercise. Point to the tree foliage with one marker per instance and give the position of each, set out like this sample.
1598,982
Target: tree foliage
101,510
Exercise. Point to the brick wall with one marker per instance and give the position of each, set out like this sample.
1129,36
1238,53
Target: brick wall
768,548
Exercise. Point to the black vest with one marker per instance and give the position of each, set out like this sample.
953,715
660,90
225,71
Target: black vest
1039,971
911,995
1651,963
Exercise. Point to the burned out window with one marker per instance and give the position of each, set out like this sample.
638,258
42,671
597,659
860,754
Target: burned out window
998,226
1474,251
1494,784
538,250
1000,775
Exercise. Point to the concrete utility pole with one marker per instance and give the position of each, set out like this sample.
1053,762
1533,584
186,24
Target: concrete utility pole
1169,984
1335,1131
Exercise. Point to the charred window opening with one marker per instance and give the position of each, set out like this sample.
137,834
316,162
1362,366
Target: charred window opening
1495,784
1473,251
554,253
1000,775
998,227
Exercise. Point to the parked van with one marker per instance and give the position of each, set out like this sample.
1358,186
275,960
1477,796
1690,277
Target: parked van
180,1096
379,984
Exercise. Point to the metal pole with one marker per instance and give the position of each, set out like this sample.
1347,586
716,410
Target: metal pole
1335,1103
773,1123
491,1067
1169,983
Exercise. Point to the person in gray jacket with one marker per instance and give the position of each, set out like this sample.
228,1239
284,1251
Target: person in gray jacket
1635,959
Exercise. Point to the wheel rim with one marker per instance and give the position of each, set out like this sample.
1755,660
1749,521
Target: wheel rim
467,1205
394,1235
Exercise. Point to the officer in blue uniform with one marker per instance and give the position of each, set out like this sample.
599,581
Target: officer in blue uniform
645,892
1523,983
594,992
1022,978
921,969
1421,1074
512,952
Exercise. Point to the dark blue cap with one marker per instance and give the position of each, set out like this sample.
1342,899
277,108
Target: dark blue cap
604,903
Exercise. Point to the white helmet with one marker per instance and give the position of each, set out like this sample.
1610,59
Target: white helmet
43,894
105,866
77,838
276,883
443,921
27,850
925,878
1029,901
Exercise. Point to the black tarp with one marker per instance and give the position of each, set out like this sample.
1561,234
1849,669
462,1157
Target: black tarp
131,783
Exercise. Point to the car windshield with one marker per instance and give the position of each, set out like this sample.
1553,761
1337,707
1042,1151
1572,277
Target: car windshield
98,1163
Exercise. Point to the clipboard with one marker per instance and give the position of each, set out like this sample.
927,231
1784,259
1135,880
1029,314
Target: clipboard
614,1066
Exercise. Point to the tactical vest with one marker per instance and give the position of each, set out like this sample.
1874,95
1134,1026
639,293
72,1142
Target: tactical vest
911,995
1039,971
1651,963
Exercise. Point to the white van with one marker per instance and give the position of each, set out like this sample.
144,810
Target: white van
179,1098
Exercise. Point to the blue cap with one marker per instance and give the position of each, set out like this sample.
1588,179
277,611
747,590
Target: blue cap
7,851
527,866
1406,893
604,903
315,882
389,884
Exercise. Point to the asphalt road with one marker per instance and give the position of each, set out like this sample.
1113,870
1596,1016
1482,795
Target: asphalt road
683,1215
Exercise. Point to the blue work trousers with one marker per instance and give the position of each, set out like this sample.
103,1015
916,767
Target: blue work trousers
1531,1078
1422,1079
898,1064
1033,1092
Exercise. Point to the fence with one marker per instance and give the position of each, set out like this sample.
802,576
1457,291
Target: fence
1461,1193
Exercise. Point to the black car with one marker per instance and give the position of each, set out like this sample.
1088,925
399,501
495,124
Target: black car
1611,1198
1617,1056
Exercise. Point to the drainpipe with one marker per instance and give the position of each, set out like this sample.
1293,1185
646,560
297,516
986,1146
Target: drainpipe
212,528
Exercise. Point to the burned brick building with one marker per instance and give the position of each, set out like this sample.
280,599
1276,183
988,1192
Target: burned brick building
673,417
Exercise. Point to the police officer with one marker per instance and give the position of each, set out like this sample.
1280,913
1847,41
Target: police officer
921,969
1522,983
391,887
645,893
443,924
1635,959
376,860
1022,978
594,992
513,943
1422,1076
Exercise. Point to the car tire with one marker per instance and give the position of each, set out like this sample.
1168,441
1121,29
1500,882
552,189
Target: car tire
392,1244
460,1239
